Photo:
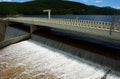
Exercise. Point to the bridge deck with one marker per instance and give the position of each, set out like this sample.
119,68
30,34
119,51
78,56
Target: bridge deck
95,29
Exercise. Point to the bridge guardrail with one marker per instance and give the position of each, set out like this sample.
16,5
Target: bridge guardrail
101,25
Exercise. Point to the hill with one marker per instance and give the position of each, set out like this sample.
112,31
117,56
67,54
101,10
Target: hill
57,6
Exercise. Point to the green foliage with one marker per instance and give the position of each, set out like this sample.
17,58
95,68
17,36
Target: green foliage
35,7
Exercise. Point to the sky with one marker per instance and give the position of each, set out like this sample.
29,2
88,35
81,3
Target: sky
100,3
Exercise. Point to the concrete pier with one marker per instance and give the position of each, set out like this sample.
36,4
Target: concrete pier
3,27
34,28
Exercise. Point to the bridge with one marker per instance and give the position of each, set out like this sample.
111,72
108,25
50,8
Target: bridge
69,24
105,31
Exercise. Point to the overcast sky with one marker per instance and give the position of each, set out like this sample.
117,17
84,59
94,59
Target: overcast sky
101,3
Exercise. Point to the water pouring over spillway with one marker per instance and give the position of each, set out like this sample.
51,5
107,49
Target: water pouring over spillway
33,60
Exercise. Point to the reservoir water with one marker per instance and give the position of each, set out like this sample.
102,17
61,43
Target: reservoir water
105,18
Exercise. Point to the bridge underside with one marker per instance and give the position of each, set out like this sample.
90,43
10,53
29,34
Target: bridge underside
91,36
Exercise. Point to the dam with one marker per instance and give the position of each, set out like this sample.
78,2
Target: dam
33,52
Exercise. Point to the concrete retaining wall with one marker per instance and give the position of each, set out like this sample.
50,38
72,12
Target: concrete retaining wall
12,35
14,40
14,32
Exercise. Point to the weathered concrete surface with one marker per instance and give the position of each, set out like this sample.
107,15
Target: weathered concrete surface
12,32
14,40
3,27
33,28
12,35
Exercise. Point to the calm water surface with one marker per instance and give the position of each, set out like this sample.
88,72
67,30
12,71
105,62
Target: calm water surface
106,18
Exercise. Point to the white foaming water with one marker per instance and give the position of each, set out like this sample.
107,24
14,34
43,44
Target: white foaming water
33,59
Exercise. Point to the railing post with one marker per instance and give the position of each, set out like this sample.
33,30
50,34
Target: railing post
119,25
112,25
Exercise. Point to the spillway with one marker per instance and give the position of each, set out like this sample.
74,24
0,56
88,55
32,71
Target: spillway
50,55
34,60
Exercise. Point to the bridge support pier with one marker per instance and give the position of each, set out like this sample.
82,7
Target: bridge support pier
33,28
3,27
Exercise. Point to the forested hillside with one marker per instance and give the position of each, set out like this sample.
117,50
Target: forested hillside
57,6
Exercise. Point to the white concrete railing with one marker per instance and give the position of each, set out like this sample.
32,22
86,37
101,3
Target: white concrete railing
75,23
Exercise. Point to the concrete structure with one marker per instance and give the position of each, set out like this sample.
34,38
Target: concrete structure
13,40
100,30
93,29
10,35
3,27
